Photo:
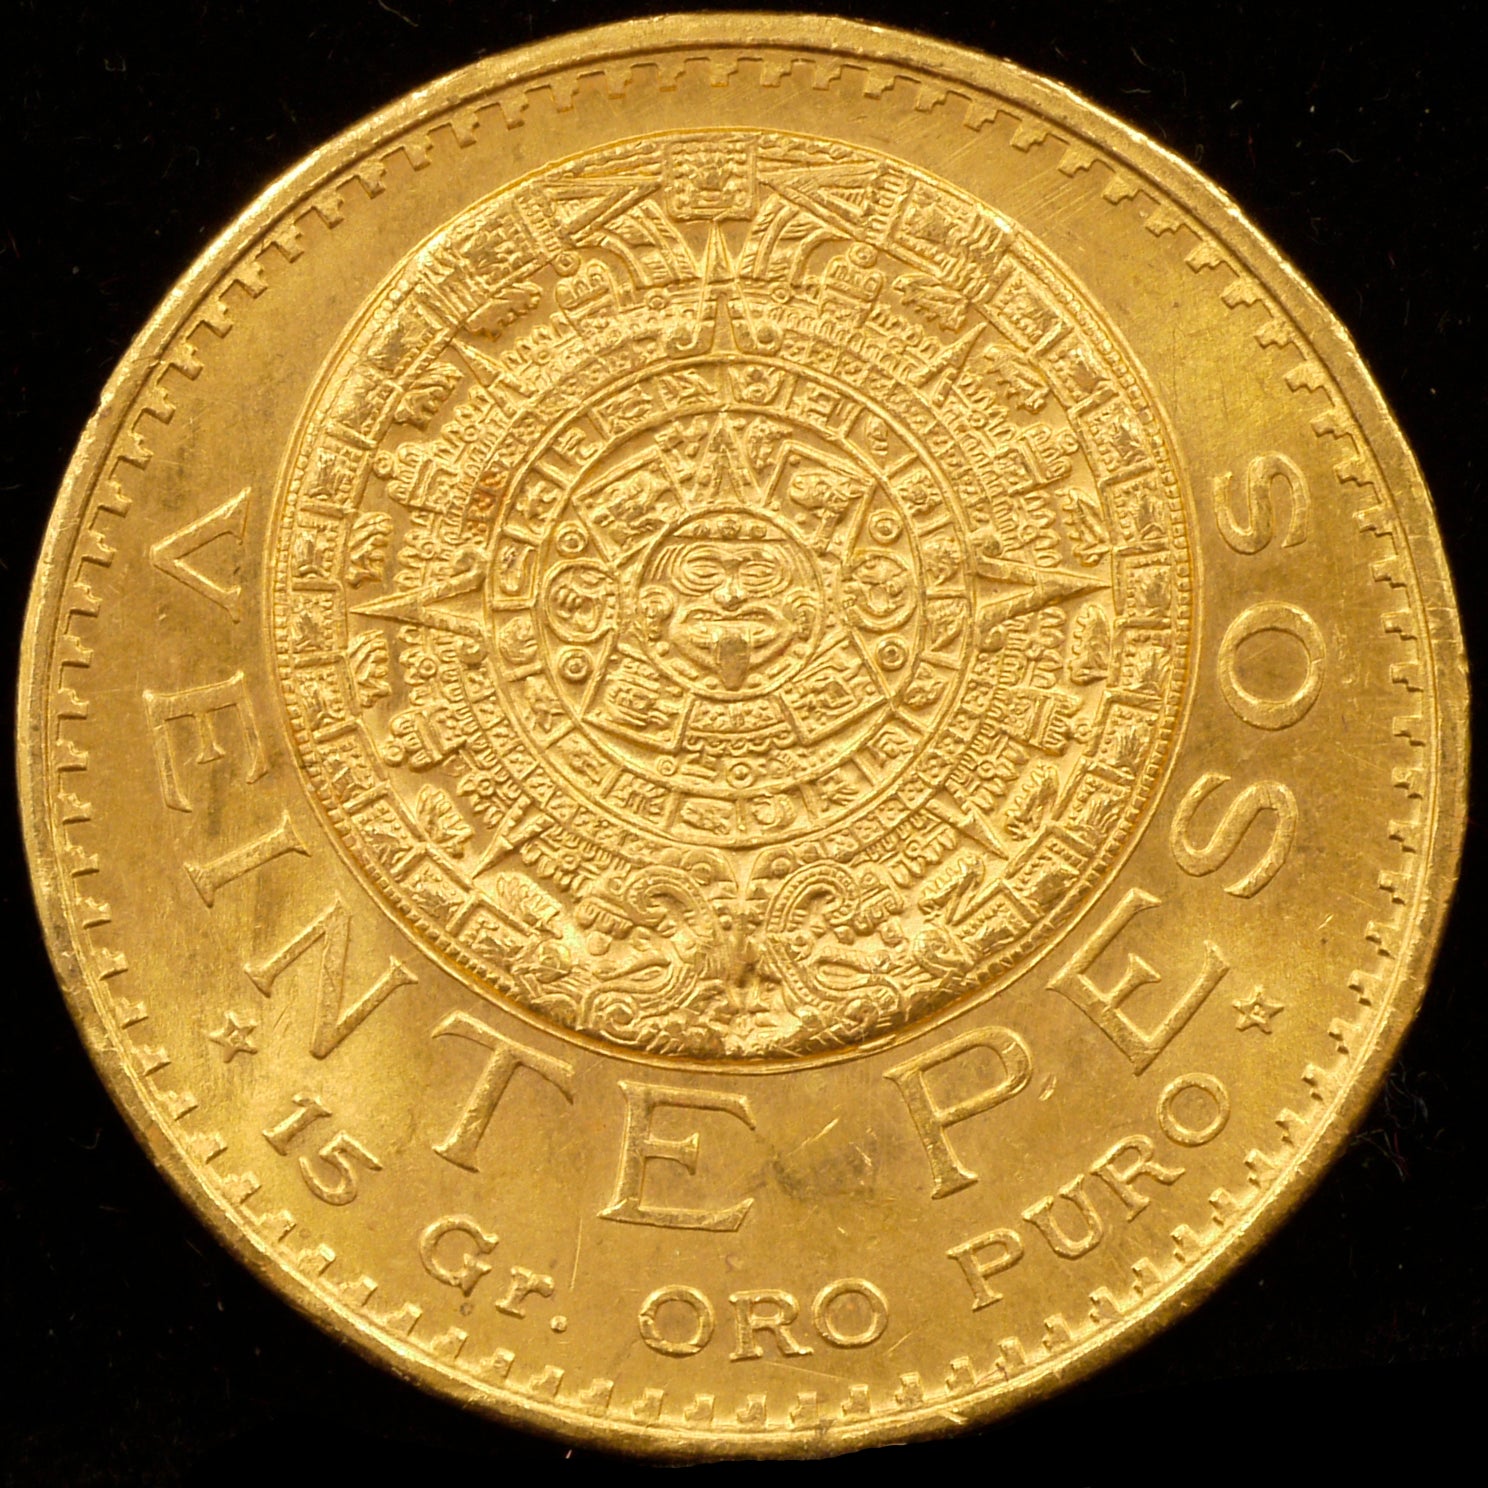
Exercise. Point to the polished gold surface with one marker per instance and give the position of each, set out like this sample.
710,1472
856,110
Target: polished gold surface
742,747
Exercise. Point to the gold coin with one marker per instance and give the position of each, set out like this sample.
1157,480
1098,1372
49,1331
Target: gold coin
679,693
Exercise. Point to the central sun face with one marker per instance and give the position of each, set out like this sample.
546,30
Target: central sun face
733,597
729,606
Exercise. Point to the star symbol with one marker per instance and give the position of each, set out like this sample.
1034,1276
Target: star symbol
235,1037
1256,1012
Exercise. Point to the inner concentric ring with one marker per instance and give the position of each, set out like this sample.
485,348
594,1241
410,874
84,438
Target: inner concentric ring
713,632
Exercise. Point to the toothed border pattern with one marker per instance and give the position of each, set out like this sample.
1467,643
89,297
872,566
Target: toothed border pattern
402,1324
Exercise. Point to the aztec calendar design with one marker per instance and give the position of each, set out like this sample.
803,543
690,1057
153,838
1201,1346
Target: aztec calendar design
732,596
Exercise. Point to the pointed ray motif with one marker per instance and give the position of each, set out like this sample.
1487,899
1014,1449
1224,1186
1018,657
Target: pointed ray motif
721,475
808,191
941,371
714,326
718,265
968,820
579,205
452,605
1032,589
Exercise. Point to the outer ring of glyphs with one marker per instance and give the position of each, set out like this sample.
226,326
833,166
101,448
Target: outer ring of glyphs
732,596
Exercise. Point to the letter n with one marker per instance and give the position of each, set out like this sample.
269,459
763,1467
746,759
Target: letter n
333,1022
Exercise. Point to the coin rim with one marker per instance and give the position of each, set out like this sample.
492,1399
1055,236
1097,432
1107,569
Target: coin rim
1171,176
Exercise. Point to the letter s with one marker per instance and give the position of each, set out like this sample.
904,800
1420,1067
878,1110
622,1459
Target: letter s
1264,795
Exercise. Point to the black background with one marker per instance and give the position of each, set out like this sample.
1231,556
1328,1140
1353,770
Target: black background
137,1351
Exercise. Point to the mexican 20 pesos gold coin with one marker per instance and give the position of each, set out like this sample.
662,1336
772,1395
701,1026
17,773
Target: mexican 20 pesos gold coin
742,736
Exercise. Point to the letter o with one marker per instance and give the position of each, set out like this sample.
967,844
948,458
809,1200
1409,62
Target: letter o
850,1286
1288,619
702,1327
1180,1131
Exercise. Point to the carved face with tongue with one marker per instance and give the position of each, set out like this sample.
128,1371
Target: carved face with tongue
730,604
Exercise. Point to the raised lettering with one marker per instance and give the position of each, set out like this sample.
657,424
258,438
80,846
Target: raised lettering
931,1119
209,877
1256,531
1070,1246
842,1303
343,1154
766,1310
468,1266
1278,617
507,1057
524,1284
639,1145
200,707
700,1327
1104,1008
169,555
1263,795
307,1111
983,1257
1130,1159
1181,1129
332,929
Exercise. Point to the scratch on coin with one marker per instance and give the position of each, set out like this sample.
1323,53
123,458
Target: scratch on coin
578,1250
817,1138
794,1369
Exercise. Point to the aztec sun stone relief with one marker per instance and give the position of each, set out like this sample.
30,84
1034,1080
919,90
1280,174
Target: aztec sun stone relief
732,596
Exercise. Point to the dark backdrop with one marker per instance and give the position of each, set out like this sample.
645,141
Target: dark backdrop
136,1350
